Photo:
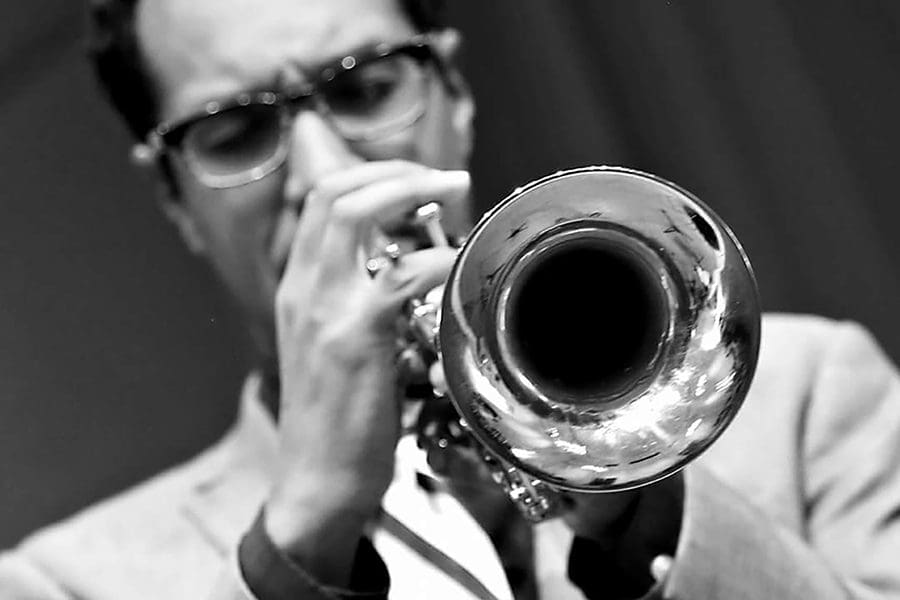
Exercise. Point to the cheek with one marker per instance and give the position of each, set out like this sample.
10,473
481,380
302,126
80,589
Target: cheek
432,141
238,228
234,216
401,145
440,143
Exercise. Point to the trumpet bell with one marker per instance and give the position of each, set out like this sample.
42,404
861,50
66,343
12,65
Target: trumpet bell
599,329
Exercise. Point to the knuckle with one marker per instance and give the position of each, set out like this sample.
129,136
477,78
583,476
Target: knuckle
323,189
397,278
316,200
346,213
285,307
334,341
283,298
290,298
345,343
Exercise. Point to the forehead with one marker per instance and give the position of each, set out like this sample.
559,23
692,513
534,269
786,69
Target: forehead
199,50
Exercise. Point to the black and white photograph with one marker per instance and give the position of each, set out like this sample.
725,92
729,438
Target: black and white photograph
438,300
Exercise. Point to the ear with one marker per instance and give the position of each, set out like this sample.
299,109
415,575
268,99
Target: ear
149,161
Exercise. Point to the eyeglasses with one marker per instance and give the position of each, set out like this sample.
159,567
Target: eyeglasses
366,97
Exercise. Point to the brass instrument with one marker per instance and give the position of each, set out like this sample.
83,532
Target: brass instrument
599,330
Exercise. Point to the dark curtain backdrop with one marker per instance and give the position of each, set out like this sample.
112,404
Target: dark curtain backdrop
118,356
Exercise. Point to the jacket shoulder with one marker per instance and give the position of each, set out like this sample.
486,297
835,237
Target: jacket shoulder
140,540
800,346
812,372
781,331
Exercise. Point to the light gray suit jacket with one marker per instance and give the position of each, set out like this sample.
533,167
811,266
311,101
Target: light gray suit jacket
800,498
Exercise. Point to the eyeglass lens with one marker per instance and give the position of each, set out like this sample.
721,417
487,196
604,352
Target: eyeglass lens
371,100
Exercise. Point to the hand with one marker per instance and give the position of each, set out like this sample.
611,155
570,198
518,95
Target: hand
340,415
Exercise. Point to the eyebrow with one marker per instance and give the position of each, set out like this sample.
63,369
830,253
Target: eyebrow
286,72
275,83
363,50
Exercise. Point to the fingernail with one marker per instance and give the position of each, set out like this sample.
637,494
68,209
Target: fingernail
458,177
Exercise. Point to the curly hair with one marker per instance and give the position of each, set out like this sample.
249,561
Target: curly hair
115,52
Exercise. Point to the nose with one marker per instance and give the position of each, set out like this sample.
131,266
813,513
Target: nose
316,150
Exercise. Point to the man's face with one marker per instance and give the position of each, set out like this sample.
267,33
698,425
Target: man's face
212,50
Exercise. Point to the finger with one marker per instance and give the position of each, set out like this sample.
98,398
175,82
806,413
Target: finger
301,224
318,204
379,301
381,206
339,183
391,203
306,244
416,273
339,260
411,277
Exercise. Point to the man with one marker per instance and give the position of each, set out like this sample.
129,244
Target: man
295,137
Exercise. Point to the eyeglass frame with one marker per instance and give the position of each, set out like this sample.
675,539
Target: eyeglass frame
169,135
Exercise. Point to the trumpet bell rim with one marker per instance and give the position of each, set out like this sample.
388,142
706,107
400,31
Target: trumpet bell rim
689,385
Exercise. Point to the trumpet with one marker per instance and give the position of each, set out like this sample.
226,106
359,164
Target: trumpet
598,331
